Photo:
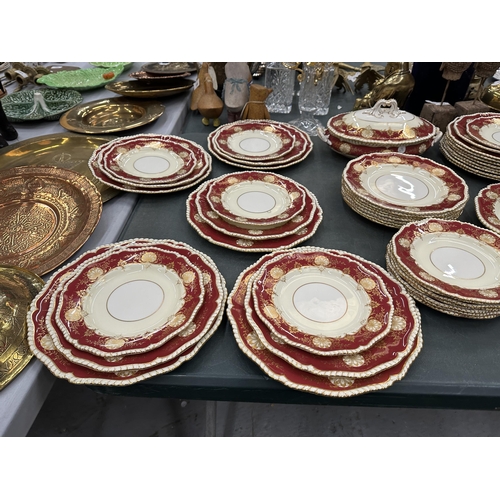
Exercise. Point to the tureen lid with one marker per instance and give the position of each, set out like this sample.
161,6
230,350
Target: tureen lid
385,124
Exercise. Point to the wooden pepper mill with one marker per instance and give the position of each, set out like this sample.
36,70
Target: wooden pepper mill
210,104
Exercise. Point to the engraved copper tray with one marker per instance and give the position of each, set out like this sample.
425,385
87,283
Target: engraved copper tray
46,214
18,287
66,150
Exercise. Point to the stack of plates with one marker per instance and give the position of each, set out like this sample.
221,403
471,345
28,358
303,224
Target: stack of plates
254,211
325,321
451,266
259,144
126,312
395,188
472,142
150,163
487,203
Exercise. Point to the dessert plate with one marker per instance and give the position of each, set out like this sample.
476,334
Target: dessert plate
253,140
400,181
247,244
147,160
485,130
81,79
452,258
256,200
128,302
206,214
487,204
323,303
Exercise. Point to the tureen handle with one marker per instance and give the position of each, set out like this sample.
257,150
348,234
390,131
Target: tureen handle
437,137
322,135
390,107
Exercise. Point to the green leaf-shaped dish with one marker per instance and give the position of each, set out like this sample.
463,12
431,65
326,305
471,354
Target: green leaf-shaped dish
126,65
22,106
80,79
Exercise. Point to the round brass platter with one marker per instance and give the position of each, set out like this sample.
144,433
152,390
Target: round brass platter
66,150
169,68
491,96
18,287
149,89
46,214
110,115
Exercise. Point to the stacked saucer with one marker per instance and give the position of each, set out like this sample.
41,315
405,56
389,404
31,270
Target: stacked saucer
325,321
254,211
125,312
259,144
150,163
472,142
393,189
451,266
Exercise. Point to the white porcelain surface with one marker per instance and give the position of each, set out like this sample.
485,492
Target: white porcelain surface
457,259
256,200
408,186
322,302
150,162
132,300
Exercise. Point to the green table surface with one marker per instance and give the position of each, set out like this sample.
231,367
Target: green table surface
458,367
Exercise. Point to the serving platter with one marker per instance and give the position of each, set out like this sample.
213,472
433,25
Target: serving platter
105,116
146,89
46,214
169,68
81,79
26,106
18,288
64,150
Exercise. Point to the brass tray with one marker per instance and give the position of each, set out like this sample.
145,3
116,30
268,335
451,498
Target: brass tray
148,89
105,116
46,214
18,287
169,68
66,150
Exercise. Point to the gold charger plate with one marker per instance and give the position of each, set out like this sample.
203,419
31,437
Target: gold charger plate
146,89
46,214
18,287
105,116
66,150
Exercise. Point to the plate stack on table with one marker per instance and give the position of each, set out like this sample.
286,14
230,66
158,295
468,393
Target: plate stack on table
383,128
487,205
451,266
253,211
150,163
259,144
472,142
125,312
393,189
325,321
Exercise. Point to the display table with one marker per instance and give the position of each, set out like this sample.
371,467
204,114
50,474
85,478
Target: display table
458,365
21,400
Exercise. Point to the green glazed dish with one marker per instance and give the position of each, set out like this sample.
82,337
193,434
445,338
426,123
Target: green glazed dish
39,104
126,65
80,79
